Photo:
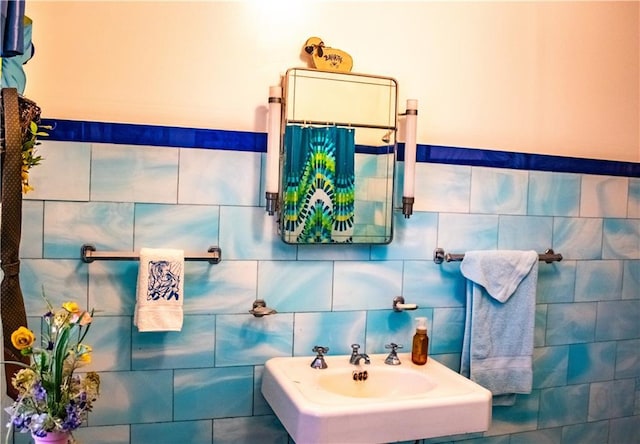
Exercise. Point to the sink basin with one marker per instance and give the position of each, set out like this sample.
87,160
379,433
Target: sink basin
388,403
383,382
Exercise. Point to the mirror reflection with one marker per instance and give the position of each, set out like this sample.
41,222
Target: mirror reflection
337,158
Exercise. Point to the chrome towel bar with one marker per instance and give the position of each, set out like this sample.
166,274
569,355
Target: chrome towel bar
89,254
439,256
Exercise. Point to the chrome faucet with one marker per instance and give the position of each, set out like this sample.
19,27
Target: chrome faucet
393,359
319,362
356,357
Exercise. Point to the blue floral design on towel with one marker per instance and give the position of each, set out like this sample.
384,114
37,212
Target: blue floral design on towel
164,280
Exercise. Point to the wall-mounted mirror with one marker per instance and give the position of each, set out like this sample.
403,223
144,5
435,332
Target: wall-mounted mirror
338,157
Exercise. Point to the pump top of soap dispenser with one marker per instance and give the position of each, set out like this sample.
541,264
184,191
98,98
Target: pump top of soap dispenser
421,324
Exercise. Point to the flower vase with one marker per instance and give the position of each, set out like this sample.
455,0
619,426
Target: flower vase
51,438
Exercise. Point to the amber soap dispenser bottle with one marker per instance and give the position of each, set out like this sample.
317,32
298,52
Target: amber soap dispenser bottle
420,343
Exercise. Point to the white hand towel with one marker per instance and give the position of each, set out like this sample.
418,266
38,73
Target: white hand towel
160,290
497,348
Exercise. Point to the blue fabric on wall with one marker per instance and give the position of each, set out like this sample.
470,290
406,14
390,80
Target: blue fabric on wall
13,75
11,24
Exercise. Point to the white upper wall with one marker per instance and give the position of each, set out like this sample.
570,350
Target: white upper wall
557,78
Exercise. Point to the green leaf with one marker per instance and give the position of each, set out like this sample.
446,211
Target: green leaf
59,355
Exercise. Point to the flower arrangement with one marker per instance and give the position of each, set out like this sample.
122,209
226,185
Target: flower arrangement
51,398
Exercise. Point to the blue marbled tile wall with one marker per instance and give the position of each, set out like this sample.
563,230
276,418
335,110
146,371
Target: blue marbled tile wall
202,385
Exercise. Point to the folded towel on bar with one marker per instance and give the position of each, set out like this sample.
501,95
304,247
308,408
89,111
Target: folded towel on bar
497,349
160,290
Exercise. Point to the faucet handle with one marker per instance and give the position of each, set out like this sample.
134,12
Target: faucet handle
355,348
392,359
319,362
320,350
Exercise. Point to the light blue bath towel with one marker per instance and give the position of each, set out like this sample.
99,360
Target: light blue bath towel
497,349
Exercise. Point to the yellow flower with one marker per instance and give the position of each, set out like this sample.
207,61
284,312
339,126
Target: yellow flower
26,188
24,379
72,307
78,357
84,354
22,338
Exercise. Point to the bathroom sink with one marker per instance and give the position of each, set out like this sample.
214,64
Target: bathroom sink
342,403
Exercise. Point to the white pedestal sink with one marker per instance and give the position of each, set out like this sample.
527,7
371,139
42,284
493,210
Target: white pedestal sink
394,403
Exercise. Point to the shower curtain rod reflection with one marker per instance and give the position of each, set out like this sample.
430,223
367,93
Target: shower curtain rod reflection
343,124
89,254
439,256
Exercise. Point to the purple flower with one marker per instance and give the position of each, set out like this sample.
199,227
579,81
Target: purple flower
39,393
74,417
37,428
21,422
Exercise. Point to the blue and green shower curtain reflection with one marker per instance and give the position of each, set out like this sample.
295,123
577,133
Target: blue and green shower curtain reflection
318,177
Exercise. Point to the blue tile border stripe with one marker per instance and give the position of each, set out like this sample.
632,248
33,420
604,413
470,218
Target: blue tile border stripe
524,161
154,135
